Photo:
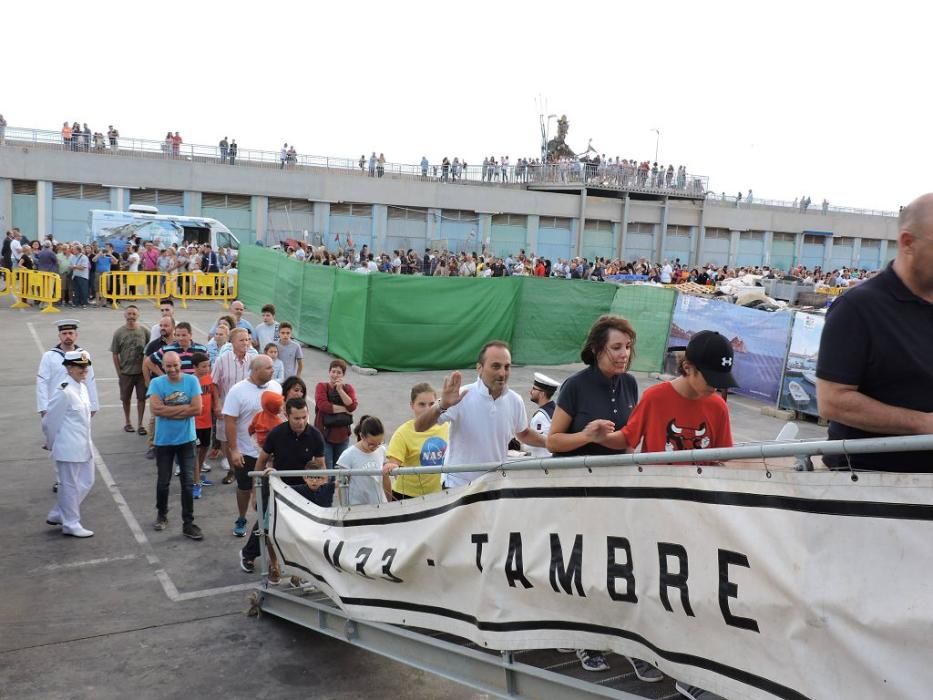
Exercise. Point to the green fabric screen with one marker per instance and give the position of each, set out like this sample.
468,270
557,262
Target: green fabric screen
649,310
348,316
404,323
554,317
435,323
316,297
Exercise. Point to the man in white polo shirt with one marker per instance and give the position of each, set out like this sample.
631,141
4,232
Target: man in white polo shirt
483,416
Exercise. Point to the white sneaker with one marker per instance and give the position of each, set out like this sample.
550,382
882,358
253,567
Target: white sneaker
177,470
77,532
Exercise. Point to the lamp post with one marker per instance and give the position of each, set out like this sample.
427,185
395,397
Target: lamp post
657,142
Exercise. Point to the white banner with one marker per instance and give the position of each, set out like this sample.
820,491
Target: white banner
788,585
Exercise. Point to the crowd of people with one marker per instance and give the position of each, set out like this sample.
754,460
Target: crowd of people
442,263
80,265
238,397
78,137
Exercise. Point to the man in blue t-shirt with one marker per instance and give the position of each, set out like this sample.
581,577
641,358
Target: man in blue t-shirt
175,400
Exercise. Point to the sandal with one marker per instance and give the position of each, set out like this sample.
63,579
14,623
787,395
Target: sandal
129,428
228,479
142,430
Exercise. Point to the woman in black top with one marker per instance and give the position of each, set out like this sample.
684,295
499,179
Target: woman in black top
596,400
593,403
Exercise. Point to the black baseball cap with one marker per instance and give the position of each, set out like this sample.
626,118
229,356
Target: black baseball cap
712,354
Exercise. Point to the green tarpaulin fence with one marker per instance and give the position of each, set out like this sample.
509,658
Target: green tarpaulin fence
415,323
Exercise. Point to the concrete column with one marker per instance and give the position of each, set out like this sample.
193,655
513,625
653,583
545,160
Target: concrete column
192,203
733,247
484,235
798,248
6,205
700,242
856,253
883,253
691,255
581,224
432,233
531,233
769,243
43,208
827,253
380,223
320,220
623,229
259,206
119,198
662,235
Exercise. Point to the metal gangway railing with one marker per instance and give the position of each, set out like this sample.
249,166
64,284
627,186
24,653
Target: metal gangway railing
535,673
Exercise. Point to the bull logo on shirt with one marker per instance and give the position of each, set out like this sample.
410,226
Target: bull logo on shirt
686,437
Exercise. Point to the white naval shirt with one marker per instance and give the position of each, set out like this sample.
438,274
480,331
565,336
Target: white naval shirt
541,424
67,424
52,374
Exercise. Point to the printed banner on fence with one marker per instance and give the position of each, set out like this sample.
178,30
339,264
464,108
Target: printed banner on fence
798,390
759,339
749,584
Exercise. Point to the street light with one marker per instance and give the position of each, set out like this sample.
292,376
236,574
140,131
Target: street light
657,142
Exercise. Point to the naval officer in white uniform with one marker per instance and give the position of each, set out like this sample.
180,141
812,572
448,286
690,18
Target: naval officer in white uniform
542,396
52,373
67,428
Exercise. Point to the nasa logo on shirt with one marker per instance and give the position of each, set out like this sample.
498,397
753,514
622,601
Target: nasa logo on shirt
433,451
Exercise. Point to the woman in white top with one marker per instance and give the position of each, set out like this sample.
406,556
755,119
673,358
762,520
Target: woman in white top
369,452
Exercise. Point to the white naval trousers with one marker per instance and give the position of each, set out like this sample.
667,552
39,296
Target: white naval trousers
75,482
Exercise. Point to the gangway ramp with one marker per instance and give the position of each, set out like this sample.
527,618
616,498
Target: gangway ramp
542,674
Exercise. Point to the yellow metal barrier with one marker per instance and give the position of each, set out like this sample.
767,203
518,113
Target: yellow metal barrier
204,286
133,286
831,291
5,279
32,285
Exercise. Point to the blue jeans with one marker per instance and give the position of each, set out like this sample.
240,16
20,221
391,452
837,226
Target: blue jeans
165,460
81,289
332,452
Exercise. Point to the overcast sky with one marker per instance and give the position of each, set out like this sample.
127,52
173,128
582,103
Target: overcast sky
828,100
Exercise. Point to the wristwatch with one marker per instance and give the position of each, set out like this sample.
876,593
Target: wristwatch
440,408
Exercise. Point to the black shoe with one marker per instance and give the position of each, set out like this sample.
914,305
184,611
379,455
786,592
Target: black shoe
192,531
246,564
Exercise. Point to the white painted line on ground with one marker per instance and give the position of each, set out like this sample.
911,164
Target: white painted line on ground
82,564
171,591
207,592
35,336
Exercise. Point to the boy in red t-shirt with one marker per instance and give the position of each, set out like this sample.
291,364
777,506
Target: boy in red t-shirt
686,413
210,408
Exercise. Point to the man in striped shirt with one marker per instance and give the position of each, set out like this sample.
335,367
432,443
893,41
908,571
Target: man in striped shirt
183,345
231,367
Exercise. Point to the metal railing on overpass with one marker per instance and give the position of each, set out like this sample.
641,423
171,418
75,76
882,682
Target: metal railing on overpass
813,208
607,175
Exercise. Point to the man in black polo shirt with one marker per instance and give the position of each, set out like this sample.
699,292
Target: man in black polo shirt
294,444
874,373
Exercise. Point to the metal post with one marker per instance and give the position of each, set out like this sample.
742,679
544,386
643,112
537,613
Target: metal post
261,524
343,490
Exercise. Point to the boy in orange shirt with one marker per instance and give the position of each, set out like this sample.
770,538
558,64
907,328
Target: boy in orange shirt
210,408
268,418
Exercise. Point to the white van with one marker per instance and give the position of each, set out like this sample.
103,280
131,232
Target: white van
118,227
